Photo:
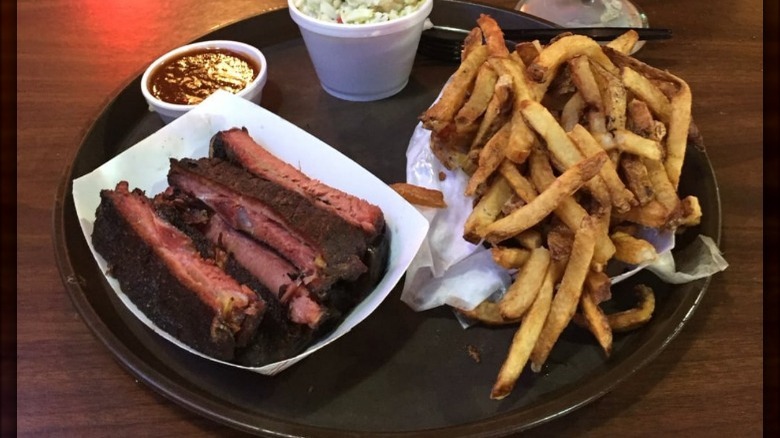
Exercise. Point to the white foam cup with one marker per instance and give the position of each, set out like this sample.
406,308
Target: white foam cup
362,62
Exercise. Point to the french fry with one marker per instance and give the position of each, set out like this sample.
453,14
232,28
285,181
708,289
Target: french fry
567,297
600,286
527,51
421,196
471,42
497,113
569,211
583,79
556,53
487,313
520,137
647,92
635,174
562,149
525,338
529,239
642,122
532,128
622,198
490,157
691,211
454,93
665,192
510,258
652,214
480,96
572,111
632,250
631,319
677,133
487,210
614,95
625,42
494,36
547,201
631,143
522,292
596,320
522,187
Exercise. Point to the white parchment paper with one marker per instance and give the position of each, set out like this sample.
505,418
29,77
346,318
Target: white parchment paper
145,166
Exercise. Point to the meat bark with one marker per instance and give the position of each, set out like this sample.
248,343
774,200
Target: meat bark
160,269
237,146
321,245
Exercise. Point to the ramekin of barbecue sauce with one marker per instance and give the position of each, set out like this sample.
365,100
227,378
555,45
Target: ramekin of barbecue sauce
182,78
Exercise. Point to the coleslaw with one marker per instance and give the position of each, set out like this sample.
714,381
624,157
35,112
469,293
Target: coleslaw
357,11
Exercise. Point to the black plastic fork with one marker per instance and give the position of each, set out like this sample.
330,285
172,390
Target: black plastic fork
446,43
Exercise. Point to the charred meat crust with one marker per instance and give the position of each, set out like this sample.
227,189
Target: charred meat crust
277,337
249,196
237,146
161,294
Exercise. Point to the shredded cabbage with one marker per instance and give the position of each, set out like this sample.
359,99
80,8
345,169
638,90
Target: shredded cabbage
357,11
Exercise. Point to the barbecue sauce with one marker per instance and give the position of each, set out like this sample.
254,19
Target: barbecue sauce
194,76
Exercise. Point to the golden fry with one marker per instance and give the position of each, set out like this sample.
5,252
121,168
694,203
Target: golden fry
522,187
471,42
691,211
494,36
529,239
665,192
647,92
454,93
546,65
572,112
480,96
525,338
637,180
569,211
636,317
497,112
632,250
631,143
600,286
487,210
421,196
522,292
510,258
622,198
487,313
614,94
625,43
677,133
652,214
597,321
547,201
491,155
567,297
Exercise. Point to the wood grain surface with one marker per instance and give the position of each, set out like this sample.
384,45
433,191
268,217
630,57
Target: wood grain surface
73,56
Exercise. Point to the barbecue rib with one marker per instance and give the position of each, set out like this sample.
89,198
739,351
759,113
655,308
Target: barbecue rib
321,245
235,145
243,258
162,272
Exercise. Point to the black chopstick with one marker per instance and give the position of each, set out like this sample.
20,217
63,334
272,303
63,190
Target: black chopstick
596,33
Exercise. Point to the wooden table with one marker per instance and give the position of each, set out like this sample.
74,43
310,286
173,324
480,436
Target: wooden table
73,56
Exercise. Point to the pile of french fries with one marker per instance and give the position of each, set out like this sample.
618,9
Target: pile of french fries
569,147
